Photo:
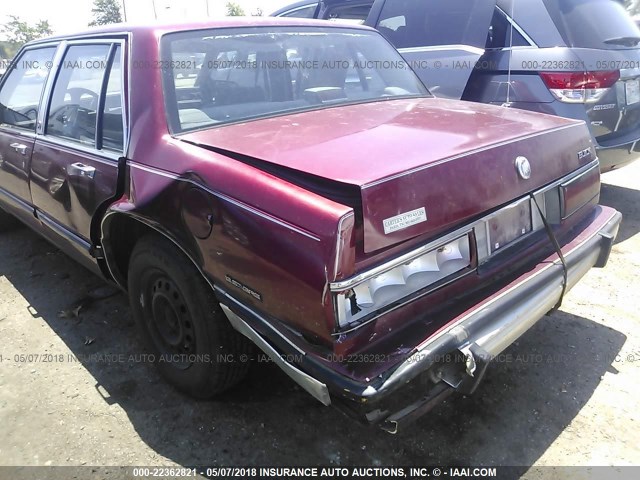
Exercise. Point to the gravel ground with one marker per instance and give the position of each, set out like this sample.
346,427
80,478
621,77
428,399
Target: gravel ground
568,394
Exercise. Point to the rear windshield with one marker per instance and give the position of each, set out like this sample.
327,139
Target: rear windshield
219,76
593,23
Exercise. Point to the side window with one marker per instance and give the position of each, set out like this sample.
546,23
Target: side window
303,12
501,35
354,14
76,94
112,112
419,23
22,90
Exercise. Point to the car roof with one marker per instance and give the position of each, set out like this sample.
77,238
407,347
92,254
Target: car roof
158,28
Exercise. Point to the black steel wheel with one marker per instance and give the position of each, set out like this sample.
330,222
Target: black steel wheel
190,339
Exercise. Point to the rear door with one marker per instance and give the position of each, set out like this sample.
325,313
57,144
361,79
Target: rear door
441,39
20,96
76,155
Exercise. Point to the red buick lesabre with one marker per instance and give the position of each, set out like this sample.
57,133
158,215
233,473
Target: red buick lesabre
291,184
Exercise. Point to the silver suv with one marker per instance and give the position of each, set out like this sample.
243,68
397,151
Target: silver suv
573,58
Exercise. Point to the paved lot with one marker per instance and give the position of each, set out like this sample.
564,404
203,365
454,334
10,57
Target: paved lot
569,394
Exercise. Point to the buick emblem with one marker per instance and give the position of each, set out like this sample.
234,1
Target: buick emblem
524,167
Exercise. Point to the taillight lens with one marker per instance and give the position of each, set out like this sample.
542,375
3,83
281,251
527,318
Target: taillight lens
580,87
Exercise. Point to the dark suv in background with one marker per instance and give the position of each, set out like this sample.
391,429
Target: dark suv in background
573,58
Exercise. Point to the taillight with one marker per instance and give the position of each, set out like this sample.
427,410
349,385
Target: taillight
580,87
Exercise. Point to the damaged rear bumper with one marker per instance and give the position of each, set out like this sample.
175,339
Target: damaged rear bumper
454,358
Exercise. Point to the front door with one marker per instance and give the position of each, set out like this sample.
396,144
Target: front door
20,97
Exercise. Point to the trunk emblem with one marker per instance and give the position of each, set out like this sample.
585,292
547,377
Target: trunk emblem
523,167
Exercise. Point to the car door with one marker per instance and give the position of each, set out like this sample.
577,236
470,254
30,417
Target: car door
442,40
76,155
20,97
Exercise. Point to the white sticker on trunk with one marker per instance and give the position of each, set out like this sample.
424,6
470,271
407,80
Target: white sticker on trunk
404,220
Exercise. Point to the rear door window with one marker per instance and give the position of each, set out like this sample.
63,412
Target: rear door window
76,94
593,23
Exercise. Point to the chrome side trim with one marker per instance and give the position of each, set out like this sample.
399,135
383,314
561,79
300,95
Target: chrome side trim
16,201
226,198
102,156
317,389
441,48
517,28
63,231
257,315
14,130
87,36
45,99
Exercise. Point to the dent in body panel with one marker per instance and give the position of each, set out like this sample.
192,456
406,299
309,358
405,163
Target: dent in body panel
242,244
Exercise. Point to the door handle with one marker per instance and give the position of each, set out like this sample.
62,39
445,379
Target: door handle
81,170
19,147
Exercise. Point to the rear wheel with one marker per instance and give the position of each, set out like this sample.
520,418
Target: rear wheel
7,221
193,344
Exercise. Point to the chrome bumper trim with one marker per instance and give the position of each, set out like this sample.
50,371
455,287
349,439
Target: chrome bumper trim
316,388
495,325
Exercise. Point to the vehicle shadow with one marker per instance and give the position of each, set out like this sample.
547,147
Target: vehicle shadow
627,202
529,396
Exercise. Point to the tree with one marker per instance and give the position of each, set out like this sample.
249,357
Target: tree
18,32
632,6
105,12
234,10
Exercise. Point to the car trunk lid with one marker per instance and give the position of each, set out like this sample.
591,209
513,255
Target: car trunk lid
420,165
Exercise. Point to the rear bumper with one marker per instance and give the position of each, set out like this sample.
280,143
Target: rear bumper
618,156
455,357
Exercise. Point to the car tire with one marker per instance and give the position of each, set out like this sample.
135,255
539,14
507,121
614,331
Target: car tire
192,343
7,221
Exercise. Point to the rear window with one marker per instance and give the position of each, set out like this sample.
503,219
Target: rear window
227,75
593,23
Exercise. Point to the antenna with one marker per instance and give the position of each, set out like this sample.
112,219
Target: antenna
507,103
